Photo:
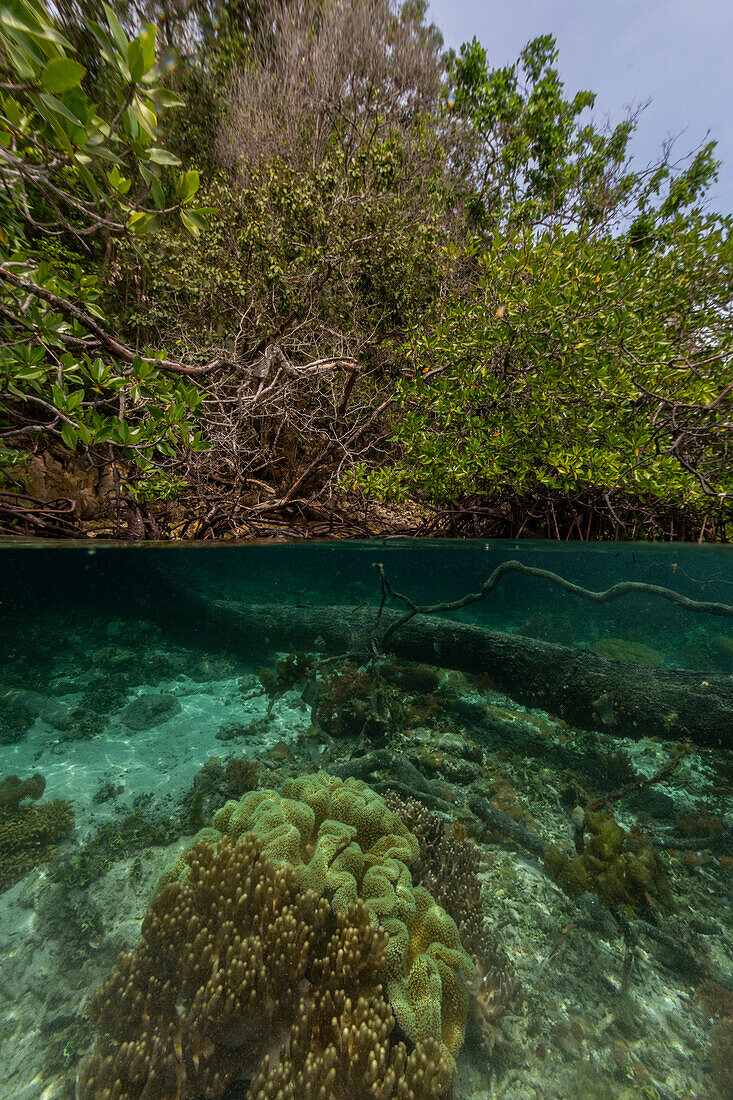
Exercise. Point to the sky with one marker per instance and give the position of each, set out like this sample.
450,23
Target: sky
675,53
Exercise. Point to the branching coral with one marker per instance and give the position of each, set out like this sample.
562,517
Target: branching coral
340,1046
240,974
28,834
447,865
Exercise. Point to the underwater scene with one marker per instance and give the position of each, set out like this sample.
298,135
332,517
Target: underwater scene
366,821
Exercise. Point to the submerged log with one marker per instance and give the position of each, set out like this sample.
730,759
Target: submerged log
584,688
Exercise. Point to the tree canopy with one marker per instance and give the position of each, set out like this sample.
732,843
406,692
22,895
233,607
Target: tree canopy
281,258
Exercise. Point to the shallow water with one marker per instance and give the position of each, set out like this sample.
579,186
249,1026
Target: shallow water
573,758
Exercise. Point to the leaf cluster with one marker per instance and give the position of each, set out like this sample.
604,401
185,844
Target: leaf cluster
575,366
75,176
413,275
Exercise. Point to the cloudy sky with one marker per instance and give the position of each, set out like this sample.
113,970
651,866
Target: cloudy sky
676,53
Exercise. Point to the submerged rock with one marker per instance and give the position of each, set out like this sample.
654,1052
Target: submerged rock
234,731
620,649
36,705
148,711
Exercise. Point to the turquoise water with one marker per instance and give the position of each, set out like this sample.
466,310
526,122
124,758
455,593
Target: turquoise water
529,797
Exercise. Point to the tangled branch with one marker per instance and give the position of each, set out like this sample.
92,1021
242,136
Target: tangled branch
623,588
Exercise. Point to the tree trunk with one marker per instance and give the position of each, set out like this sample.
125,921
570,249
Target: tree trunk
582,687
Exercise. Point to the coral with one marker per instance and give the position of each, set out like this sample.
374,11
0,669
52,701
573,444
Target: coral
340,836
14,790
336,835
354,701
617,866
239,973
297,668
340,1046
240,774
426,968
622,650
496,993
448,865
28,834
358,1062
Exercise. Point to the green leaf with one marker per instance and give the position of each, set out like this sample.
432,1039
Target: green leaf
145,116
59,108
32,19
187,186
119,183
135,60
157,193
103,154
162,156
139,221
62,74
146,39
34,50
14,20
69,436
120,430
21,63
166,99
117,32
146,173
193,223
12,110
